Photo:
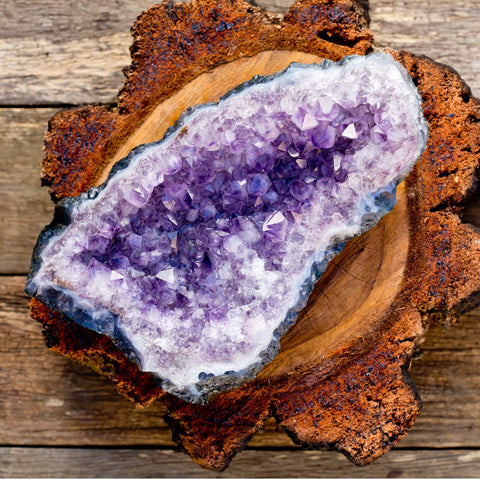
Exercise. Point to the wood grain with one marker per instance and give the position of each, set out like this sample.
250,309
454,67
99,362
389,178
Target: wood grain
447,372
154,463
64,52
25,206
444,30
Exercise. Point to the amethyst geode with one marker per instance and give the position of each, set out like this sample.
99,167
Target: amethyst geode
199,251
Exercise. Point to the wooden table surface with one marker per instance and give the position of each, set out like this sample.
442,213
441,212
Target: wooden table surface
58,419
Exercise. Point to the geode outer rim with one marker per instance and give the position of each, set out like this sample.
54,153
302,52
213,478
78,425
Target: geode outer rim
64,300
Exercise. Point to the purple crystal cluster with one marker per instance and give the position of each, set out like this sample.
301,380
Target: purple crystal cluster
200,249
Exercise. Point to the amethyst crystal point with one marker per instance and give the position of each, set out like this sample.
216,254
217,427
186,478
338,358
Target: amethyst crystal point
199,251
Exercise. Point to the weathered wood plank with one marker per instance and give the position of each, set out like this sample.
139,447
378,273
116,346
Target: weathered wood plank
444,30
64,52
25,206
48,400
70,405
448,378
73,52
154,463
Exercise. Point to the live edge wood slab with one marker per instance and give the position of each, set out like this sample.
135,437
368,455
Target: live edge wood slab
340,380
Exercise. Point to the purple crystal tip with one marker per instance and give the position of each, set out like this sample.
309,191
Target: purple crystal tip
200,250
